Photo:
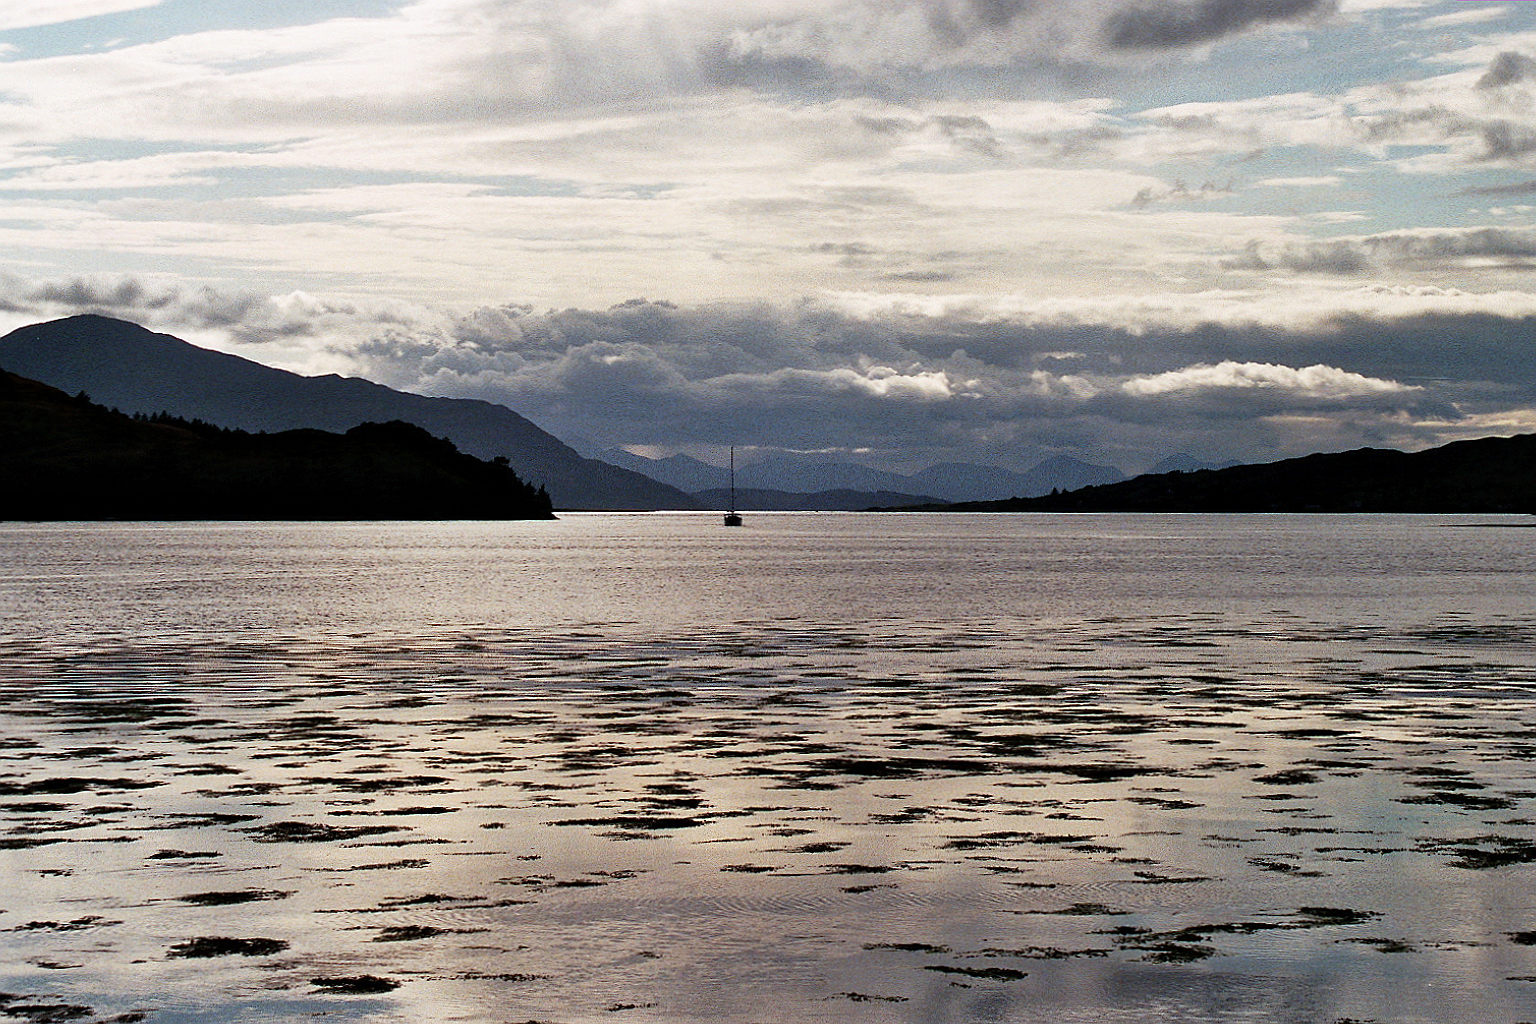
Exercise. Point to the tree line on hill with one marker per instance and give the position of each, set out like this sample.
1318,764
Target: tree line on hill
69,458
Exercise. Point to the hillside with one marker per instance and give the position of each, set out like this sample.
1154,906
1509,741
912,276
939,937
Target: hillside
68,458
1496,474
128,367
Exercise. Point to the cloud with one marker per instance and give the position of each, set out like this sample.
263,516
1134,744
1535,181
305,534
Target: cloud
1424,249
989,382
1168,25
35,13
878,222
1507,68
1310,383
1514,188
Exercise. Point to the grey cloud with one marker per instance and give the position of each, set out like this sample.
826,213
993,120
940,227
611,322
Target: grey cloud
85,295
920,276
1171,25
1514,188
974,134
1507,68
1501,139
885,125
1390,126
897,48
1330,258
999,13
1180,191
1338,258
1504,140
957,24
843,248
1354,256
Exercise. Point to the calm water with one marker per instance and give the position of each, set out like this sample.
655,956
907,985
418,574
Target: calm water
823,768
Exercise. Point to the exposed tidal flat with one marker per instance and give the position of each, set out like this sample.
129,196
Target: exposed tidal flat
823,768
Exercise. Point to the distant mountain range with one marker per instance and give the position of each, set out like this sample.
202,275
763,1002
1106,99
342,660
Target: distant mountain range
69,458
809,476
128,367
1495,474
756,499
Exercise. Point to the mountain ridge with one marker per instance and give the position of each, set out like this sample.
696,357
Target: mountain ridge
948,481
758,499
127,366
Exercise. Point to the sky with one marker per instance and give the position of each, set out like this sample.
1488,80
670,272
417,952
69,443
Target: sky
904,231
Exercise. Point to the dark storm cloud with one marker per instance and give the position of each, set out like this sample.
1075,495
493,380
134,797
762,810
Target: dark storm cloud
1171,25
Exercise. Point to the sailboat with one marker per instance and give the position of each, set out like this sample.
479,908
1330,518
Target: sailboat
731,518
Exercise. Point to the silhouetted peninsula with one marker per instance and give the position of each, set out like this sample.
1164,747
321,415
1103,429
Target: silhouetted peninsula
1495,474
68,458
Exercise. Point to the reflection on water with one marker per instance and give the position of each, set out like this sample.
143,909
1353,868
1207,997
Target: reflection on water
839,769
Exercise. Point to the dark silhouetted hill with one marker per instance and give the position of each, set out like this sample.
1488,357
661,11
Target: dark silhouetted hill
68,458
1495,474
128,367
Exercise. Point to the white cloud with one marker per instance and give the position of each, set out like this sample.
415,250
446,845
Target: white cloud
15,14
1316,181
1477,15
1327,383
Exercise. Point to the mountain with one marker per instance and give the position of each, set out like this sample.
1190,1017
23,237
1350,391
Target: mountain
795,474
967,481
68,458
1496,474
806,474
124,365
1065,473
681,471
755,499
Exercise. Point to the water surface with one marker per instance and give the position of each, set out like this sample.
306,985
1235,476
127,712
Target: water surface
823,768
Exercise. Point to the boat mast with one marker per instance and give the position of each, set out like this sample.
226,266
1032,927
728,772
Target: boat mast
731,518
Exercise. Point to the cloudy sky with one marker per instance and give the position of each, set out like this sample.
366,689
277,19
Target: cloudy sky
920,230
